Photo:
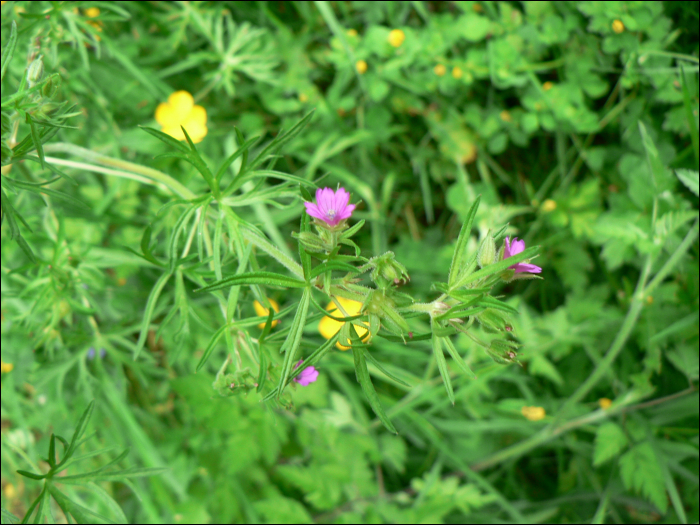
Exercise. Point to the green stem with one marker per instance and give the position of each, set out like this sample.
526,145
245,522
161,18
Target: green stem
124,168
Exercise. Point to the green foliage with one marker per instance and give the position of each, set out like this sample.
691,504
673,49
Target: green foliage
178,283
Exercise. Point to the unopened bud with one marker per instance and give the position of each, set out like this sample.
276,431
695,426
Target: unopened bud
35,71
487,251
51,87
311,242
503,352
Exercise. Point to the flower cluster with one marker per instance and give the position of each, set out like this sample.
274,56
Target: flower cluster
180,110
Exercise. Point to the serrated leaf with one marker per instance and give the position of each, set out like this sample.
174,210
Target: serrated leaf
640,470
610,440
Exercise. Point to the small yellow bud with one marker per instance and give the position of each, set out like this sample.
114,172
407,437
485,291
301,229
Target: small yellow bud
264,312
396,37
505,116
361,67
10,490
6,367
547,85
618,26
549,205
351,32
92,12
650,299
457,72
604,403
533,413
303,97
440,70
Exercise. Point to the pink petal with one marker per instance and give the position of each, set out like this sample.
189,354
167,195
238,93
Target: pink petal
517,246
525,267
346,213
341,199
313,210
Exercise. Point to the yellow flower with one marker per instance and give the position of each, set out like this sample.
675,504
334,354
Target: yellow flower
604,403
618,26
329,327
396,37
547,85
440,70
361,67
264,312
92,12
6,367
505,116
549,205
457,72
178,111
533,413
351,32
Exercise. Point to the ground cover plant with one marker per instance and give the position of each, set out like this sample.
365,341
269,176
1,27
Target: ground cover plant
348,262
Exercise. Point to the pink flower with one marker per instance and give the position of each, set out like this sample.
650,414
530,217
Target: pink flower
331,206
307,376
514,248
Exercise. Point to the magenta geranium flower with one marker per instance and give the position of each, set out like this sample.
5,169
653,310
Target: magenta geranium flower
514,248
307,376
331,206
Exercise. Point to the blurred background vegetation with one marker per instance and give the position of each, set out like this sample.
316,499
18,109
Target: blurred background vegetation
576,122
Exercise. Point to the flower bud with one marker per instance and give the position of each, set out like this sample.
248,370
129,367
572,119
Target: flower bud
388,271
493,321
487,251
311,242
51,87
503,352
35,71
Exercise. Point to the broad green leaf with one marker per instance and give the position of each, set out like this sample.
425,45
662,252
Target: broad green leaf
459,256
263,278
610,440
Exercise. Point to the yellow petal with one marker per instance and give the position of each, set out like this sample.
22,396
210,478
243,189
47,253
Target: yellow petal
174,131
197,114
533,413
196,131
165,115
262,311
182,103
329,327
